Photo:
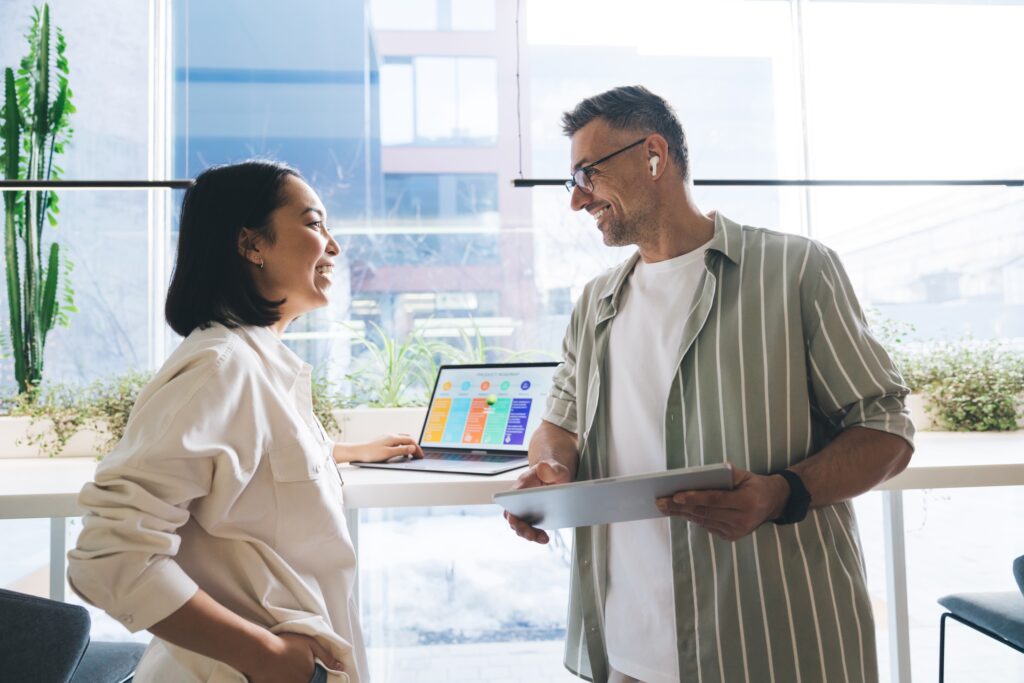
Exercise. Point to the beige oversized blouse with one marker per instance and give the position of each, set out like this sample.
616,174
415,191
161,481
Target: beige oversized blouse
223,481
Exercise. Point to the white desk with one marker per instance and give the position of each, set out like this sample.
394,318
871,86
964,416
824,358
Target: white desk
48,488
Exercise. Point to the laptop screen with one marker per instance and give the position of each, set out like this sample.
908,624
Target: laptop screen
492,407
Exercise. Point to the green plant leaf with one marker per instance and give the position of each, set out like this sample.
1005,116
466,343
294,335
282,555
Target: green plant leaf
49,302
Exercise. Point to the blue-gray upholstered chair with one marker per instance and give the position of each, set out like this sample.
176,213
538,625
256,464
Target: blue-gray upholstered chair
997,615
45,641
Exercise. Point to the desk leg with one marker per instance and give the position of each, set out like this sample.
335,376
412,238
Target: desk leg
57,554
352,521
896,586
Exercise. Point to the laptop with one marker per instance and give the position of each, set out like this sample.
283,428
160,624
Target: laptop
480,418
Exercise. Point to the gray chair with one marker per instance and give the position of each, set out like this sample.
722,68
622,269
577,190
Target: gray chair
46,641
998,615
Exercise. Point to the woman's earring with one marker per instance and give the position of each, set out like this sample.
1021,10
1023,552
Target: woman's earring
260,264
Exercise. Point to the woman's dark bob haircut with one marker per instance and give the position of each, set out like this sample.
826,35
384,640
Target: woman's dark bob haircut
212,281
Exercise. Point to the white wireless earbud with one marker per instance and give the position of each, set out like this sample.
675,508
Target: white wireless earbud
654,165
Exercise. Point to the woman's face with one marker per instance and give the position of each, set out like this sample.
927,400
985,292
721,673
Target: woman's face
299,266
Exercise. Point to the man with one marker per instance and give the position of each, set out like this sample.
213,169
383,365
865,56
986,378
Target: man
714,342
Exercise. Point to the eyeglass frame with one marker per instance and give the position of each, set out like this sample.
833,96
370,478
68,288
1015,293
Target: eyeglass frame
572,182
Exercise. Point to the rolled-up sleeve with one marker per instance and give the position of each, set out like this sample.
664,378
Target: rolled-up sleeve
124,559
561,403
854,380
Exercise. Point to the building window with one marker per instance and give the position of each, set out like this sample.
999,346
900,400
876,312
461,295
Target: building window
433,15
439,101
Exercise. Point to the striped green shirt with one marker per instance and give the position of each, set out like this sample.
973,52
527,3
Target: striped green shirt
775,360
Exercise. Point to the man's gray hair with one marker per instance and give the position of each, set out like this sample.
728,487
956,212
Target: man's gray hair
633,107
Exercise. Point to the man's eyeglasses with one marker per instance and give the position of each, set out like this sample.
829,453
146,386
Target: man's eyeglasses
581,176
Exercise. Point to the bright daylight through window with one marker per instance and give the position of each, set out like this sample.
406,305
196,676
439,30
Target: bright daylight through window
412,118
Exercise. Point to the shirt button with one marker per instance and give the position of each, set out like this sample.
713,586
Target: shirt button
316,469
126,618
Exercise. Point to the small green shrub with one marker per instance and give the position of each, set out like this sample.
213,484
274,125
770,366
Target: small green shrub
325,400
394,373
102,406
968,385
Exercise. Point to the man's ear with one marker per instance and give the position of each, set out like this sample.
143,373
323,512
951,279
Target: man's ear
248,246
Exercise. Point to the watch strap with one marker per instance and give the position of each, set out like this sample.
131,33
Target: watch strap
798,502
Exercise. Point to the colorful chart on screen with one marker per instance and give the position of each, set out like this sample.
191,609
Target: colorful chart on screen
488,407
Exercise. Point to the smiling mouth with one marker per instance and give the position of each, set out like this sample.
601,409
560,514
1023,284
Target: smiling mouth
326,271
598,214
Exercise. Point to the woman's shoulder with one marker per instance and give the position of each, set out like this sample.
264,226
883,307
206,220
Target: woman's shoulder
213,347
205,376
207,357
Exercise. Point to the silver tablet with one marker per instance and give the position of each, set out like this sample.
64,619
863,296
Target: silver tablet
616,499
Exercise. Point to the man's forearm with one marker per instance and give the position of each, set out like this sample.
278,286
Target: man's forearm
205,626
550,442
854,462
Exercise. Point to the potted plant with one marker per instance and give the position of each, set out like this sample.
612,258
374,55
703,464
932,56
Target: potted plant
965,385
69,420
35,124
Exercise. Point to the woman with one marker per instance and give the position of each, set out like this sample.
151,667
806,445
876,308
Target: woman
217,521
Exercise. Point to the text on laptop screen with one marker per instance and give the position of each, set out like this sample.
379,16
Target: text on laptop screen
492,408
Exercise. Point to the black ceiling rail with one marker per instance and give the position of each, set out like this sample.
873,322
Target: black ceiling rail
749,182
36,185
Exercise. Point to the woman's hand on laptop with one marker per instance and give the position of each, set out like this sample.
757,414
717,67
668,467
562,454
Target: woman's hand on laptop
541,473
379,449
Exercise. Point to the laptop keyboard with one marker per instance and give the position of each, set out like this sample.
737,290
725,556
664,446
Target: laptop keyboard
465,457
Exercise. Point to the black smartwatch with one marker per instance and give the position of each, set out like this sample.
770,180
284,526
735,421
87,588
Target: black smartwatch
799,501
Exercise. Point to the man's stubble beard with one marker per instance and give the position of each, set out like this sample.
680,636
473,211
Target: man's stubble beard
630,229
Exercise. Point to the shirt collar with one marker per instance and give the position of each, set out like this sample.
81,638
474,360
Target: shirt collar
727,240
282,363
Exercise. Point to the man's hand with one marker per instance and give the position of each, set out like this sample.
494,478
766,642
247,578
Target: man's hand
542,473
731,515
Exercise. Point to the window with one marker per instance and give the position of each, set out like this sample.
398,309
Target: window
103,234
412,151
439,101
420,197
433,15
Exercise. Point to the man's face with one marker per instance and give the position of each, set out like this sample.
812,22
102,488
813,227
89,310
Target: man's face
620,202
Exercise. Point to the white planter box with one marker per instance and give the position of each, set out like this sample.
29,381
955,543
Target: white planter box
921,418
355,425
363,424
15,431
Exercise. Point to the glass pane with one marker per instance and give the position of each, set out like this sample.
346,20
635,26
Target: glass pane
477,100
107,77
241,91
934,106
397,114
404,15
435,602
421,196
456,100
728,68
437,115
945,260
472,15
105,237
104,251
947,552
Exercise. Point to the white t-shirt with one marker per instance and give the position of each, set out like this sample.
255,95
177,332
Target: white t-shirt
643,354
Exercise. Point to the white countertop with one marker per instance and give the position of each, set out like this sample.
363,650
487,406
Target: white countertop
48,487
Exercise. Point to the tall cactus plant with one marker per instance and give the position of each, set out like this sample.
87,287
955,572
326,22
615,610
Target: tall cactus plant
35,128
